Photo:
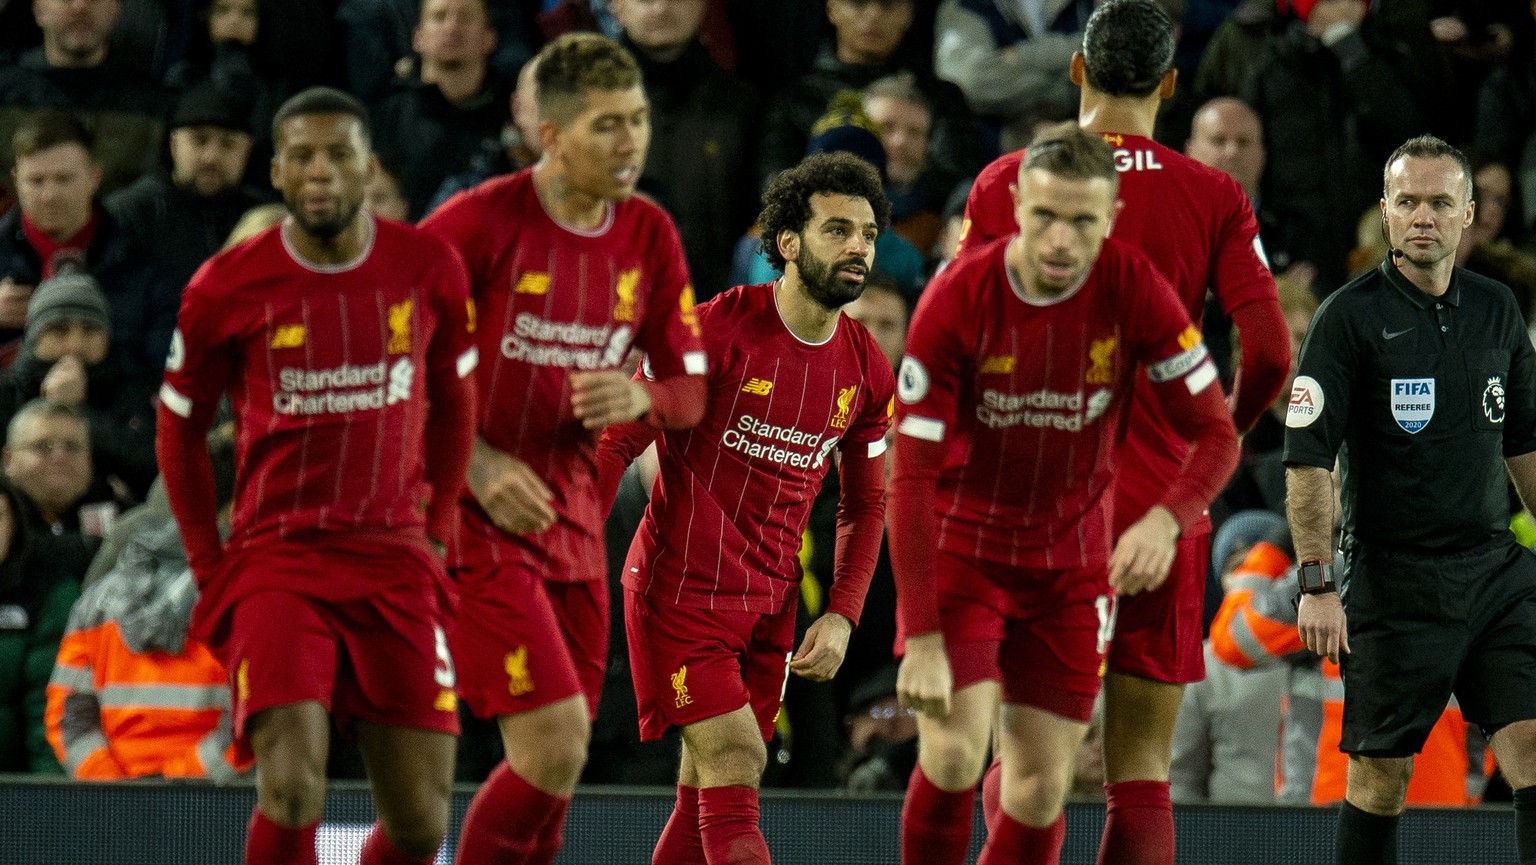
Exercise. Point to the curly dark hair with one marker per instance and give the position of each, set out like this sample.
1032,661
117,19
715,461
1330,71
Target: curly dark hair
322,100
787,201
1128,47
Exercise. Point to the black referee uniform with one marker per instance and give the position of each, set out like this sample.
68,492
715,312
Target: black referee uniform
1422,398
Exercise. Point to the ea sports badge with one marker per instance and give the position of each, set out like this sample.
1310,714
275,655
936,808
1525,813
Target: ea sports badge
1306,403
1413,402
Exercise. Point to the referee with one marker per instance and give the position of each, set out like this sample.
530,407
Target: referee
1420,378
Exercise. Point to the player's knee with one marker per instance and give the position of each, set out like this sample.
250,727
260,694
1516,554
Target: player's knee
952,762
1379,786
291,795
420,833
1034,799
737,762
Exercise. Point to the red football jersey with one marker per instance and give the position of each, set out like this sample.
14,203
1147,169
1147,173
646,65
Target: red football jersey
1197,226
330,371
1030,397
731,502
552,300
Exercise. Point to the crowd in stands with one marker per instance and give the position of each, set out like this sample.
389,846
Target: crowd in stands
136,135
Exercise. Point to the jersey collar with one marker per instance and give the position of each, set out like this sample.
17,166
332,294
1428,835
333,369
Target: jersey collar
1395,278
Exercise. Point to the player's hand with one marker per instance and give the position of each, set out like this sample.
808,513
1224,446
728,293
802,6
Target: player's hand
1144,553
1321,621
65,383
924,681
607,397
821,652
14,298
513,496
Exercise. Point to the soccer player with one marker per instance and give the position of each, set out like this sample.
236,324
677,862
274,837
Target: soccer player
1197,227
569,270
712,580
343,344
1013,400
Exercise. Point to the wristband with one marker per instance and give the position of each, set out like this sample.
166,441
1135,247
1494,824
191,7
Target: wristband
1315,577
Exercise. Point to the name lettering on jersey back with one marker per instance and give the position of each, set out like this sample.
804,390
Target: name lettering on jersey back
343,389
570,345
1042,409
783,445
1131,160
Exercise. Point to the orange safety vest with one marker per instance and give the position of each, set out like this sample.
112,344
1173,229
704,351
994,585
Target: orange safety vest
1245,637
113,713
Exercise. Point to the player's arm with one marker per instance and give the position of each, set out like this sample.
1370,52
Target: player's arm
1246,289
860,525
673,396
1255,626
927,394
509,491
1315,422
450,427
620,445
1520,417
197,373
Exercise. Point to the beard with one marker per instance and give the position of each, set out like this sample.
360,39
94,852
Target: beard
323,227
822,282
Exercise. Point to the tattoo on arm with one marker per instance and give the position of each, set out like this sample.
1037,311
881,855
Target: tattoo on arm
1309,507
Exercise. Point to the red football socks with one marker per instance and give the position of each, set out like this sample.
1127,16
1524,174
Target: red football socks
267,843
680,842
728,826
1013,843
547,846
992,794
507,821
1138,824
379,850
935,823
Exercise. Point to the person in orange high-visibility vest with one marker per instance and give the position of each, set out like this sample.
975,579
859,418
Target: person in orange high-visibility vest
1256,627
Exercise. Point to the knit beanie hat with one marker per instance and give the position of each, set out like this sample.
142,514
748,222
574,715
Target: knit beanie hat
74,296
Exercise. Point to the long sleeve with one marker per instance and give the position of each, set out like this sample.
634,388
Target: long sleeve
1201,418
860,524
1266,358
914,532
73,716
677,402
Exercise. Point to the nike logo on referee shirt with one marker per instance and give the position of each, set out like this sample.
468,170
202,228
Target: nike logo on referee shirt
1393,334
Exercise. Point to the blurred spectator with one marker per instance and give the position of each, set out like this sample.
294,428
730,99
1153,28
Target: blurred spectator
382,194
882,736
517,147
430,123
1008,56
776,42
255,221
1228,731
568,16
73,70
183,218
1370,243
59,227
704,127
1475,36
1336,91
883,311
863,49
132,694
223,53
36,592
301,40
917,191
66,359
954,223
47,457
1506,125
1239,44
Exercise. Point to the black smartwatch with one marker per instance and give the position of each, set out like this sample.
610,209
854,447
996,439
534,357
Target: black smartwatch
1315,577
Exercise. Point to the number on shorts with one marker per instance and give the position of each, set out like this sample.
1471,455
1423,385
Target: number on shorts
1105,605
443,672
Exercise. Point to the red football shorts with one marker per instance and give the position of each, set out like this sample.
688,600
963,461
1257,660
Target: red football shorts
1042,634
381,658
1159,635
522,642
690,665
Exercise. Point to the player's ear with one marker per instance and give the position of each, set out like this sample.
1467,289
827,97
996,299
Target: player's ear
1077,72
789,245
1169,84
1114,214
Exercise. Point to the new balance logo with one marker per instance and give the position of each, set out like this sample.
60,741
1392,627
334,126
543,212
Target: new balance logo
758,387
288,336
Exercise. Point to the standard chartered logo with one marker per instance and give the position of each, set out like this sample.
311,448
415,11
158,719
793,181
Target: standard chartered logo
566,344
1042,408
343,389
784,445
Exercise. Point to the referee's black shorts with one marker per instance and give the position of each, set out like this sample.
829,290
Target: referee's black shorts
1424,627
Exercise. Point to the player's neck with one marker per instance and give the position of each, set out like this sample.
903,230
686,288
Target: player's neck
1434,280
808,320
1128,116
343,248
564,203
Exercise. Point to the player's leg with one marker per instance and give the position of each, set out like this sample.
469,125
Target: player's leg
410,772
728,758
1374,792
1514,746
951,752
282,659
1156,650
514,663
1039,749
680,842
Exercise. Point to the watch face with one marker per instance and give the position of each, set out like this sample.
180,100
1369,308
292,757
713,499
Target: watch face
1313,577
